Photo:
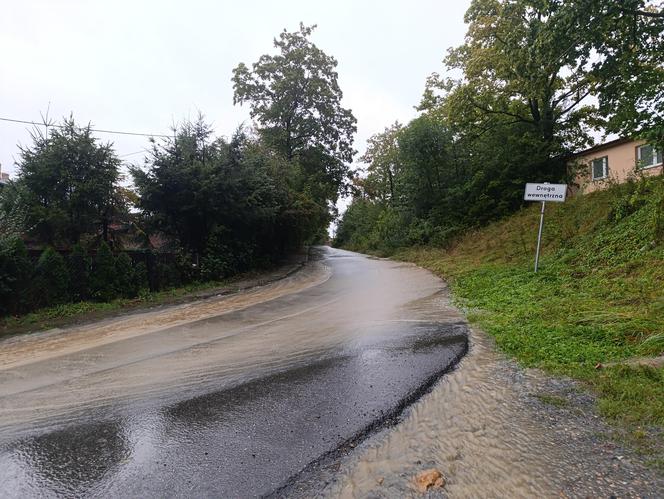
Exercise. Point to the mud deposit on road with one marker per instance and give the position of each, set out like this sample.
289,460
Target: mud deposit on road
225,397
46,376
486,429
26,349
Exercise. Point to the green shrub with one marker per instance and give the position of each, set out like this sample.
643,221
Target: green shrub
124,277
442,236
216,266
15,270
657,214
50,282
140,278
79,274
392,229
184,264
419,232
102,278
167,274
219,260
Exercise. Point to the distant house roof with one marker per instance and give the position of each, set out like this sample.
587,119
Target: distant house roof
601,147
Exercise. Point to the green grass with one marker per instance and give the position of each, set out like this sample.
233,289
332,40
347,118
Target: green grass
598,298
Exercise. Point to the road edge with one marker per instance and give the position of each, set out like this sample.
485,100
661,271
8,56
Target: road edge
237,284
307,476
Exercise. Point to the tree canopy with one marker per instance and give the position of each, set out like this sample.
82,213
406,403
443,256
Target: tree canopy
225,197
295,98
531,83
629,43
69,184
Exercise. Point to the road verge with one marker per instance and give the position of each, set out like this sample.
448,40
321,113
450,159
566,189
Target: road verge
77,314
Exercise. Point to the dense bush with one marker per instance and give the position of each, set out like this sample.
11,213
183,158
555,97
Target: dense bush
54,279
125,284
141,279
50,281
229,205
225,256
102,281
79,274
15,270
172,272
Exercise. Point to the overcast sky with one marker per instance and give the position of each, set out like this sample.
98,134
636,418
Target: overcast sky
141,65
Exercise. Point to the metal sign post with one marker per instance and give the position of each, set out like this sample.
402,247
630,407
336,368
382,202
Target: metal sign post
539,236
544,192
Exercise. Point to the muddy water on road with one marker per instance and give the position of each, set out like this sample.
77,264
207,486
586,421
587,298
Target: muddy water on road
484,429
48,374
472,429
21,350
191,400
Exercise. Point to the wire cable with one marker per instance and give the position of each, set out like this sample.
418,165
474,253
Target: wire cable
36,123
132,153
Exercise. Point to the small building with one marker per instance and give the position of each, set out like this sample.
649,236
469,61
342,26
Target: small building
615,161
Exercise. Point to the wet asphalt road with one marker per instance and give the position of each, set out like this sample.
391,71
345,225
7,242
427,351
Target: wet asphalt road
235,404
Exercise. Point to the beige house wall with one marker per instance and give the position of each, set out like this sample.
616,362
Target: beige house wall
622,160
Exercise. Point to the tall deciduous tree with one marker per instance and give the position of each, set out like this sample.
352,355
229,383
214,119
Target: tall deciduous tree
629,71
524,62
536,62
295,98
383,165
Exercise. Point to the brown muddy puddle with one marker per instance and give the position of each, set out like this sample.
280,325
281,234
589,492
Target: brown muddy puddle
469,427
481,430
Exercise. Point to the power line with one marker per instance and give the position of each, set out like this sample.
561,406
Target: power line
132,153
91,129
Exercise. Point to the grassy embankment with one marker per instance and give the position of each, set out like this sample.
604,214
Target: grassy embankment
598,298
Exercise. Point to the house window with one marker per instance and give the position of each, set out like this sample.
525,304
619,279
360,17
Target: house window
648,156
600,168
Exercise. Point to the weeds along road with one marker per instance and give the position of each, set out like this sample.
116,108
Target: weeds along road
231,396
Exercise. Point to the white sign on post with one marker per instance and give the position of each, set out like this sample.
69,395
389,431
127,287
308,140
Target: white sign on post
545,192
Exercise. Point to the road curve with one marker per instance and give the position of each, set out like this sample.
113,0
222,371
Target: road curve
228,397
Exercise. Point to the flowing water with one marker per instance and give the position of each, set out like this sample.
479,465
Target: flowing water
267,390
188,400
485,430
471,428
